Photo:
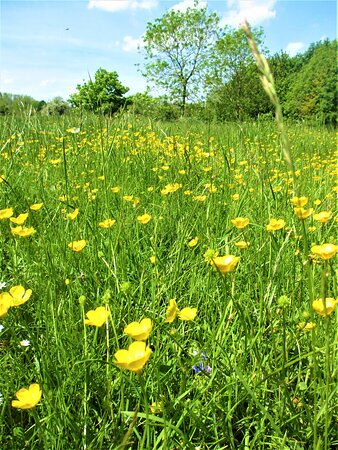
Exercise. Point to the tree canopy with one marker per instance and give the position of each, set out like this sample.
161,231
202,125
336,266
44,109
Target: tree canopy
178,50
103,94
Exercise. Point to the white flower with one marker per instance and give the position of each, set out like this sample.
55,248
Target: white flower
1,327
2,284
25,343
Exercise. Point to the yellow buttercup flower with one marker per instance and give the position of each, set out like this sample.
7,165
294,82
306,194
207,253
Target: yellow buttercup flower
19,295
200,198
235,197
302,213
324,251
5,303
77,246
275,224
73,215
306,326
135,358
23,231
139,330
299,202
6,213
240,222
187,313
172,311
20,220
107,223
115,189
242,244
152,259
97,317
321,217
36,206
225,263
324,308
193,242
27,398
144,219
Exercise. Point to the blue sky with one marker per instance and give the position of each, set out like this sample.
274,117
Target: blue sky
48,47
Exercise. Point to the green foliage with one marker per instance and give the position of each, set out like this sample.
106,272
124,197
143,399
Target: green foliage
156,108
178,51
56,107
14,104
313,89
105,94
272,384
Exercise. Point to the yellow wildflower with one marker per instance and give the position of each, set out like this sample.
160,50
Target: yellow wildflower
240,222
107,223
27,398
187,313
225,263
19,295
20,220
135,358
6,213
321,217
302,213
144,219
5,303
36,206
73,215
299,201
97,317
172,311
306,326
115,189
139,330
242,244
324,308
275,224
324,251
193,242
23,231
77,246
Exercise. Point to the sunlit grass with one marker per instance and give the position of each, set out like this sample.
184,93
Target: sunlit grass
132,218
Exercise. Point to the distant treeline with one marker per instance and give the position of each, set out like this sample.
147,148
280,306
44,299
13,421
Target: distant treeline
305,84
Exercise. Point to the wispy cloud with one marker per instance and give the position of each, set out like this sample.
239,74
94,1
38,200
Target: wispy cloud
130,44
254,11
121,5
294,47
185,4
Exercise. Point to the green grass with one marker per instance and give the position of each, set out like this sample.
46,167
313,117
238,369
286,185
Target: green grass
271,386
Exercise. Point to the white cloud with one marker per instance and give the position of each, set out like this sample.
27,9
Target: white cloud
294,47
254,11
129,44
185,4
121,5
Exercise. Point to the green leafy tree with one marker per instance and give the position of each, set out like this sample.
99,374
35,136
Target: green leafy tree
234,87
56,107
103,94
313,90
178,49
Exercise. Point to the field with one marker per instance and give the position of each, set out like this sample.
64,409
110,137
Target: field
249,360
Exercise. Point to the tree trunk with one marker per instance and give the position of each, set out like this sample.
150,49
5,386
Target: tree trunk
184,98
